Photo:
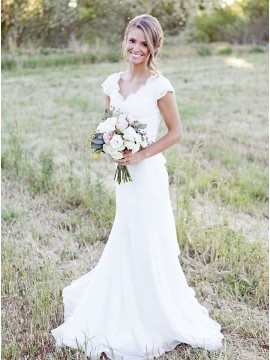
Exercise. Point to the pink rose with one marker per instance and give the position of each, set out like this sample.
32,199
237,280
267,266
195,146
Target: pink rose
107,136
130,119
121,124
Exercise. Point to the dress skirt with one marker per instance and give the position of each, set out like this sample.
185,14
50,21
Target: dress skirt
136,303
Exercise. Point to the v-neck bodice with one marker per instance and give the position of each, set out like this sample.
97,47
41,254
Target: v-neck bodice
134,92
141,104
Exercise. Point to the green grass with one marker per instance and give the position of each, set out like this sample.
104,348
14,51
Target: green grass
9,214
239,190
43,57
58,206
33,61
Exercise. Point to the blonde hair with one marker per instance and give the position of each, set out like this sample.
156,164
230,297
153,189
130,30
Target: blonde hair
153,33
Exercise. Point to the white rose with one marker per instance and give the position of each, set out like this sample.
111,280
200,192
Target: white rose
116,142
101,127
117,155
107,125
108,149
122,147
114,153
144,143
132,145
138,138
136,148
129,134
129,144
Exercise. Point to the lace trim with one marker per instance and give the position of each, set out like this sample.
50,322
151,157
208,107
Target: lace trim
164,92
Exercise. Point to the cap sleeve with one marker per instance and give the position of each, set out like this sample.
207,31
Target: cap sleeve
163,86
108,84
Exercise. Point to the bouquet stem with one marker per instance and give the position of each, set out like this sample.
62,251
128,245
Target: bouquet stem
122,174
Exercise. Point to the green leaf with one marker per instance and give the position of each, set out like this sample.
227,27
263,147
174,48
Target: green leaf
107,113
98,141
96,146
98,150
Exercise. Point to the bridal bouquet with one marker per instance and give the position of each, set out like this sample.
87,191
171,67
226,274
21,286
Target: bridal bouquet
116,133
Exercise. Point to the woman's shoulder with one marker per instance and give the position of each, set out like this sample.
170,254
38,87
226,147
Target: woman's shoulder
113,76
160,78
109,83
161,85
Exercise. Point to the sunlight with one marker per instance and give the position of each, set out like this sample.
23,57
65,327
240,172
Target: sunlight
231,2
238,63
73,3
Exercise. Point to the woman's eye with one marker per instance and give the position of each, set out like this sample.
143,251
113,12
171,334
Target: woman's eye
145,44
131,41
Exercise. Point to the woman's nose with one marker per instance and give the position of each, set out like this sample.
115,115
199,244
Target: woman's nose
137,47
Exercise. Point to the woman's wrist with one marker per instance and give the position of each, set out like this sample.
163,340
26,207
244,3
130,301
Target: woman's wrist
143,153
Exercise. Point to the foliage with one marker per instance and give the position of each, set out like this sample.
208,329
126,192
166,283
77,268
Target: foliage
241,24
107,19
257,11
204,50
43,22
209,28
59,23
224,50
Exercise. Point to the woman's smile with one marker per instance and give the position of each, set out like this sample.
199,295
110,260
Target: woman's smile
135,55
136,46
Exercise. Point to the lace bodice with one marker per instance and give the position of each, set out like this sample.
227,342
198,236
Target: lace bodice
141,104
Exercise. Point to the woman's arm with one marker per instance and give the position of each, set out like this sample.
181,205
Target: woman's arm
169,111
108,102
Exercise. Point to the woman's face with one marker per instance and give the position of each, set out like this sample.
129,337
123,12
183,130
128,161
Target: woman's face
136,47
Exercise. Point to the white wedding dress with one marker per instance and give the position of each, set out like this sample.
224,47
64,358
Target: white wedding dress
136,303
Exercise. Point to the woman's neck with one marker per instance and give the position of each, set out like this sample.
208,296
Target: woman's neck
139,71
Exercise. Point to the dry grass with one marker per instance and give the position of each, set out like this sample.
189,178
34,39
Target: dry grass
57,208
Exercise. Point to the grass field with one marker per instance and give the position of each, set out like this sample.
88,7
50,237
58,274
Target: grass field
58,207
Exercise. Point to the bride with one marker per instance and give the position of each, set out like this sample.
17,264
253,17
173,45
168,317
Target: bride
136,303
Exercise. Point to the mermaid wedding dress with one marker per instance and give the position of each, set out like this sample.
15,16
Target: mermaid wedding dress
136,303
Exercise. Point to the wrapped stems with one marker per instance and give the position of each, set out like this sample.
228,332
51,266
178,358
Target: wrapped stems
122,174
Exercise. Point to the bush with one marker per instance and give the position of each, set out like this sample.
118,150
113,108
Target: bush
224,50
8,62
204,50
257,49
114,56
209,28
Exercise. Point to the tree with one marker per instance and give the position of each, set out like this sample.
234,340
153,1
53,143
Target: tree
257,12
43,22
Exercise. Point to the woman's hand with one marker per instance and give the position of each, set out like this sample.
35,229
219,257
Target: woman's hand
130,158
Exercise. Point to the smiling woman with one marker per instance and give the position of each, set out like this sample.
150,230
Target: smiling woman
143,41
139,49
136,303
136,46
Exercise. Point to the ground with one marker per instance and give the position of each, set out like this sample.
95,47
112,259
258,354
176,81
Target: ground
58,206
